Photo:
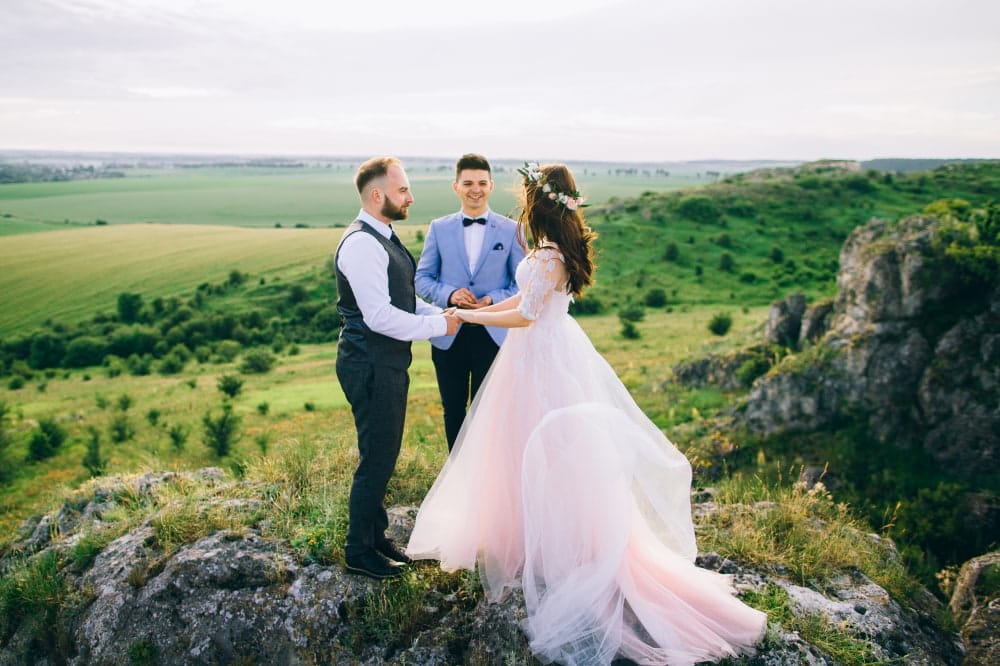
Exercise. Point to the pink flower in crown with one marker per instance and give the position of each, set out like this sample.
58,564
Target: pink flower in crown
575,203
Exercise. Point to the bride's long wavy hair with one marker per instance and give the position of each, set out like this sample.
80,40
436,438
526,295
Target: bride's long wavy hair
547,219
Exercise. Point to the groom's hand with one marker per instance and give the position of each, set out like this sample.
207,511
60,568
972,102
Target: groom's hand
453,324
463,298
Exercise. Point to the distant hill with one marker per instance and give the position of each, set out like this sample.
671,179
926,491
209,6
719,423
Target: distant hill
904,165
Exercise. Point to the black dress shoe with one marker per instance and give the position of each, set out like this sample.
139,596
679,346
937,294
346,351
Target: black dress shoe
388,550
373,565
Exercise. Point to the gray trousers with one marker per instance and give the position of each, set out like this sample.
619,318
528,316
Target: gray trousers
377,395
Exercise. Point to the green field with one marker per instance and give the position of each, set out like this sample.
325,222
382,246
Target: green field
69,275
260,197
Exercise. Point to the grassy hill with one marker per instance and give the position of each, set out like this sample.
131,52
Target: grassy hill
781,228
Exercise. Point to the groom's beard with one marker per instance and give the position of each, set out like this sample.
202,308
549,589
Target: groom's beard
391,211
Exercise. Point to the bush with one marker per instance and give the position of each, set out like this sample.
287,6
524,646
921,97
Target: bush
263,408
257,361
777,255
16,382
632,313
727,263
724,240
720,323
748,277
125,402
228,350
84,352
45,440
220,433
153,416
121,429
129,307
178,436
629,330
672,253
92,460
586,306
656,298
699,209
230,385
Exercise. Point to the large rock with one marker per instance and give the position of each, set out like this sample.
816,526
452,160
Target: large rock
908,347
240,597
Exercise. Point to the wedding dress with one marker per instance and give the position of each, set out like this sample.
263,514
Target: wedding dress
560,485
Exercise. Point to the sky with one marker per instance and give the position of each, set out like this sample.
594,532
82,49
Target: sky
629,80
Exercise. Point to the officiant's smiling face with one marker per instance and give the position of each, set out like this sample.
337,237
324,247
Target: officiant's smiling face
473,187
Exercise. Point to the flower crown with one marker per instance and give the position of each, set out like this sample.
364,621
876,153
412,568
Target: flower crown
572,200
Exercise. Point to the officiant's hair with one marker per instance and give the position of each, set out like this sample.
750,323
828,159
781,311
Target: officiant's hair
546,218
374,168
473,161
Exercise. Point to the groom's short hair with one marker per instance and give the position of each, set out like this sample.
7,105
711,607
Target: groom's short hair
472,161
374,168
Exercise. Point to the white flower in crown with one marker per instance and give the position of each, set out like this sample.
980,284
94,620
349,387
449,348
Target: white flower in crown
532,174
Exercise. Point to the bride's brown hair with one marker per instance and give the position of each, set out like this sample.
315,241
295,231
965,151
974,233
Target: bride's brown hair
547,219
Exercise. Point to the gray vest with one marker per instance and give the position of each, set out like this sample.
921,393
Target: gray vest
358,343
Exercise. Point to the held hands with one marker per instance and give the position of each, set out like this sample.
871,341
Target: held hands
453,323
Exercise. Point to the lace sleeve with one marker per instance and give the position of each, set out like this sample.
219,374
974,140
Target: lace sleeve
545,273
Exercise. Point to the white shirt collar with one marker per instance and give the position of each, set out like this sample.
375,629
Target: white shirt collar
373,222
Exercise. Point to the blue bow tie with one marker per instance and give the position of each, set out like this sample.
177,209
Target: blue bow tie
466,221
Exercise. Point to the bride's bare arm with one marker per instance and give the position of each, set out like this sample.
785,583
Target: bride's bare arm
511,302
508,317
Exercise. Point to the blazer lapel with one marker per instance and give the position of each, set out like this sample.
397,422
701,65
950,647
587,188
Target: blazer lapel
489,234
460,240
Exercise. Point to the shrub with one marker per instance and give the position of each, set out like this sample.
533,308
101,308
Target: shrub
632,313
727,263
16,382
171,364
83,352
153,416
724,240
230,385
310,406
748,277
629,330
220,433
228,350
720,323
672,253
777,255
129,307
257,361
92,460
45,440
586,306
699,209
178,436
656,298
262,408
125,402
121,429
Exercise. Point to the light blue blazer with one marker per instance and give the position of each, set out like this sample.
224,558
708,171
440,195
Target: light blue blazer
444,265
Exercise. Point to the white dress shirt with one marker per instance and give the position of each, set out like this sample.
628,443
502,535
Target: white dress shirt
365,264
474,238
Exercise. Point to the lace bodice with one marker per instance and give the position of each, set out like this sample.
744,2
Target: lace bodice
541,280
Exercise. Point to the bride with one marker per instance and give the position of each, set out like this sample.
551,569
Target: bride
560,485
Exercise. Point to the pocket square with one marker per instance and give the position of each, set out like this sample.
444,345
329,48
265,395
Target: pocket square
498,246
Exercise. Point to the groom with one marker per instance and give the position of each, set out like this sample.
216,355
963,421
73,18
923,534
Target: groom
468,261
381,314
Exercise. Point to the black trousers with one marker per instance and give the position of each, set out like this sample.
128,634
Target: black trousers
460,371
377,395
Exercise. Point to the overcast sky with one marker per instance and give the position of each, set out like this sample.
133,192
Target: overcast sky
652,80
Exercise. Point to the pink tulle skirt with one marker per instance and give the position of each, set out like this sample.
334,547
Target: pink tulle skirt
561,486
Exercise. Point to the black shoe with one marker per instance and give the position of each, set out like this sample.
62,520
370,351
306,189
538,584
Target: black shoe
373,565
388,550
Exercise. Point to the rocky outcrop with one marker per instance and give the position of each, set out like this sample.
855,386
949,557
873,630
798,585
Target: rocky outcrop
908,346
238,596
